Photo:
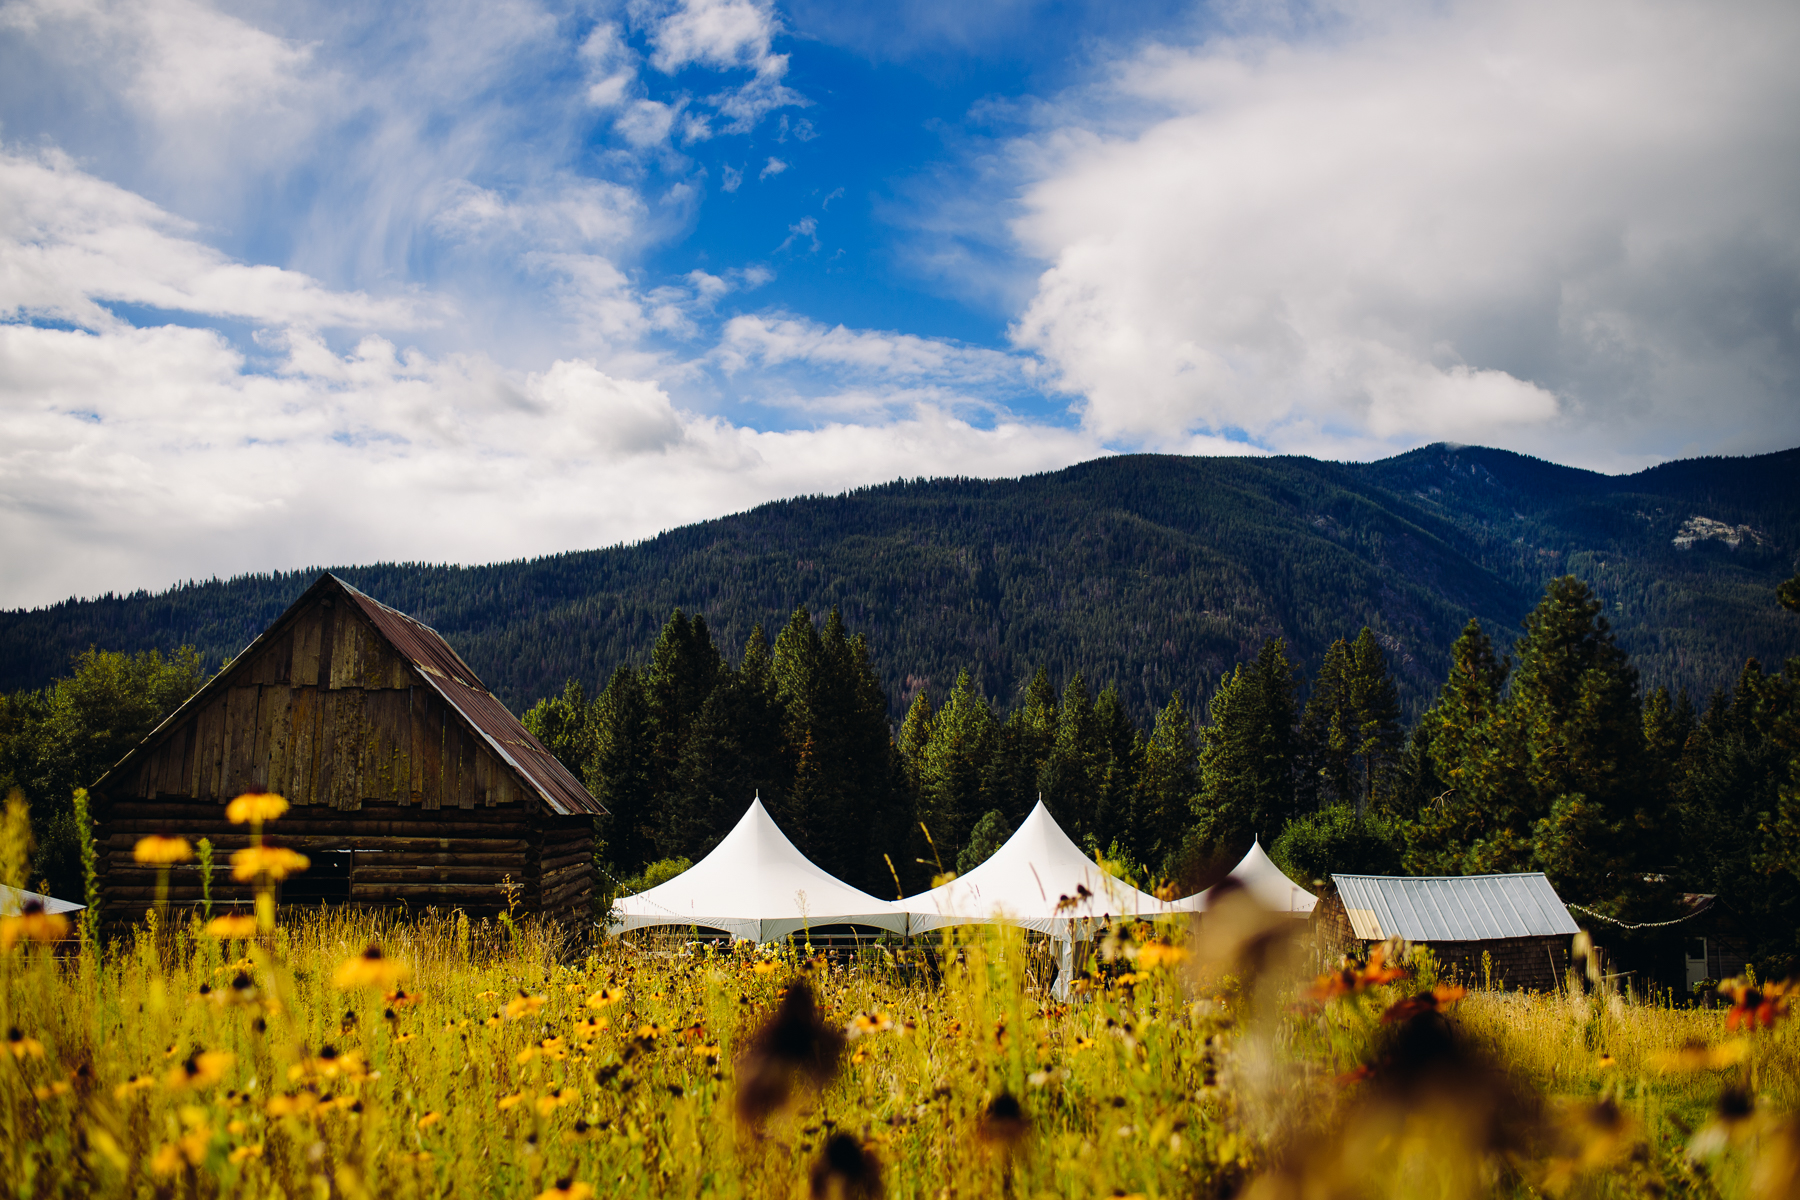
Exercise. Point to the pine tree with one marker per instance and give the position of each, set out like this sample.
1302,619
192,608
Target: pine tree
685,666
1247,754
1067,779
1170,783
950,774
1375,707
915,736
1118,763
621,772
1328,733
564,724
1022,746
1461,744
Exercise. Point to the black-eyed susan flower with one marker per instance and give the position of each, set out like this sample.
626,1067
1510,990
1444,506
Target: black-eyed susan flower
846,1170
508,1103
1699,1056
605,996
274,863
1003,1123
370,969
21,1046
1755,1005
200,1070
255,808
231,925
245,1153
133,1083
160,851
32,924
430,1119
524,1005
560,1098
567,1189
865,1023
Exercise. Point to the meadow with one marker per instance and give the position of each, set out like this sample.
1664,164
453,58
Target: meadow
332,1052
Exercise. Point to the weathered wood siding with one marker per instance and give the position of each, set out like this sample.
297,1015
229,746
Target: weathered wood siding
373,760
1523,963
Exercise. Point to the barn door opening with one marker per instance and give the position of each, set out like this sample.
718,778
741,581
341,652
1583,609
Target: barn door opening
326,881
1696,961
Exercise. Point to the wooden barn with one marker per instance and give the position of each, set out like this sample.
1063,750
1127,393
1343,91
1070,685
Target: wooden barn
1517,922
410,783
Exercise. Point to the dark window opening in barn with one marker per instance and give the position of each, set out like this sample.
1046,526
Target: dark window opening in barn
326,881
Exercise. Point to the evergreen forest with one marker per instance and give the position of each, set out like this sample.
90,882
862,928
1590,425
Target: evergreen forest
1380,668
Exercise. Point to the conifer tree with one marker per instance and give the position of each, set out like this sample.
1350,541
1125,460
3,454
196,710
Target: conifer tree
564,724
1247,754
915,736
1328,733
621,771
951,770
1067,780
1170,781
1118,763
1022,745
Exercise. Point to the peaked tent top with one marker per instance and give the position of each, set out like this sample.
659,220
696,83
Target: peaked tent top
756,884
1024,883
13,901
1267,883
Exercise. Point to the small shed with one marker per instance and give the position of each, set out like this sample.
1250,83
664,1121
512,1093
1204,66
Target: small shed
1516,921
409,783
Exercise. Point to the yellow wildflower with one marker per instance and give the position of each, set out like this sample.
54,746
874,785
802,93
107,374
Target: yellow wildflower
567,1189
370,969
508,1103
255,806
22,1046
523,1005
1697,1056
200,1070
161,851
33,924
274,862
232,925
430,1119
604,997
246,1152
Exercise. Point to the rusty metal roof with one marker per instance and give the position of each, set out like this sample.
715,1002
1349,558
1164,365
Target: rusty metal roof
445,671
1453,908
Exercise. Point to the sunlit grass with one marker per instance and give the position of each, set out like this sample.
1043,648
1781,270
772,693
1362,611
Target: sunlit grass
476,1060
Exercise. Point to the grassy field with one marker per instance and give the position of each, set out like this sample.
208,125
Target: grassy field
487,1060
333,1052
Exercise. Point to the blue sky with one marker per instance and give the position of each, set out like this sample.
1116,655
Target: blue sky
304,283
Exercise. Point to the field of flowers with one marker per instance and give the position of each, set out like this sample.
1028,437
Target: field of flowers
335,1053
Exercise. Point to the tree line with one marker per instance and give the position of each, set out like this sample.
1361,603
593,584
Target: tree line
1549,758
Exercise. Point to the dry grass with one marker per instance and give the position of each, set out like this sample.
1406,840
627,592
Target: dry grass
516,1062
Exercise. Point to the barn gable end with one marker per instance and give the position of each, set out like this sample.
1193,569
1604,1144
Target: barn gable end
409,782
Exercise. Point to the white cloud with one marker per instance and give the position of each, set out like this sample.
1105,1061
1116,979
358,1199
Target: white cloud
135,457
1574,230
647,122
766,340
773,167
730,178
724,35
70,243
808,228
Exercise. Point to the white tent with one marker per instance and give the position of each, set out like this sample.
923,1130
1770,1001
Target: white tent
756,885
1267,884
1035,881
13,901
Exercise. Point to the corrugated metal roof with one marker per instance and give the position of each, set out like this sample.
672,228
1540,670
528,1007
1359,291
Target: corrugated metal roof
1453,908
445,671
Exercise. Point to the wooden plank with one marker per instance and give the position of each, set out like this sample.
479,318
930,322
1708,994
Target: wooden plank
484,771
210,752
184,782
241,727
229,837
428,748
346,649
302,746
325,758
349,749
306,649
277,712
466,755
396,727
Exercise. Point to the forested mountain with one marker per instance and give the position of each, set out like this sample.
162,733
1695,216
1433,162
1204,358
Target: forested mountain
1156,573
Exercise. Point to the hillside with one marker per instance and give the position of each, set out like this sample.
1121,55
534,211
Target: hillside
1158,572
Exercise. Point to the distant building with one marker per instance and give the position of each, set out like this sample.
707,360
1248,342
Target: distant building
1516,921
410,784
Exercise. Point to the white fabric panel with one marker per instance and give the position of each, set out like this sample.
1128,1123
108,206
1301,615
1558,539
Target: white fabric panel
1265,881
13,901
756,885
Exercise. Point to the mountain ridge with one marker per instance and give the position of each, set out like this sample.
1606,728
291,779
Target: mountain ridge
1154,571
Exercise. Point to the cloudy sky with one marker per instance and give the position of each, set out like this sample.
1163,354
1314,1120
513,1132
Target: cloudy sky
294,283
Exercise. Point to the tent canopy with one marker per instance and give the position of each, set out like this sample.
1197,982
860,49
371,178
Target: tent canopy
1266,883
1024,883
13,901
757,885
